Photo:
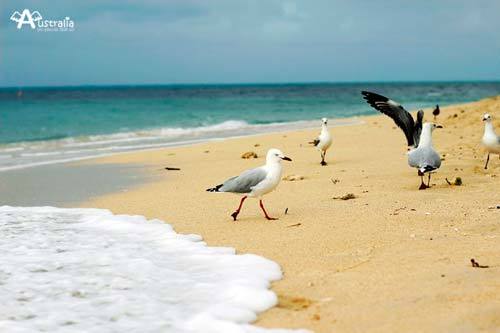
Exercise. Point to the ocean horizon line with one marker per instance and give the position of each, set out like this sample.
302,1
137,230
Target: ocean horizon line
237,84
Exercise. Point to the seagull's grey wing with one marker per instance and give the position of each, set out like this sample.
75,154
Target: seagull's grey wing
418,127
426,159
401,117
244,182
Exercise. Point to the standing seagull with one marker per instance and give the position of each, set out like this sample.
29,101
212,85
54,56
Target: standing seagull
436,112
323,141
255,182
490,139
419,136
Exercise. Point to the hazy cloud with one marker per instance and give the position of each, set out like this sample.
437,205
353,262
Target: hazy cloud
133,42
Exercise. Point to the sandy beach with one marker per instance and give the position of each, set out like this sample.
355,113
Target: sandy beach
393,259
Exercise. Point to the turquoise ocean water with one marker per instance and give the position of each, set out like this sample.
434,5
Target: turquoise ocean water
47,125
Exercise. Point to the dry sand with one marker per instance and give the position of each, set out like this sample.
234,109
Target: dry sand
394,259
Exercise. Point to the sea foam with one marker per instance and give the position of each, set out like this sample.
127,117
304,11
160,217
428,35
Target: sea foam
88,270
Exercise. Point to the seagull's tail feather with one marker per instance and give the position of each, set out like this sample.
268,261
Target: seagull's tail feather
425,169
315,142
214,189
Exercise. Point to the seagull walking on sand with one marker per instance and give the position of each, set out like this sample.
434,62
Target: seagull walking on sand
256,182
323,141
490,140
422,154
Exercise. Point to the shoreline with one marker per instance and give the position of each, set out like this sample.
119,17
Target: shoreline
389,260
277,128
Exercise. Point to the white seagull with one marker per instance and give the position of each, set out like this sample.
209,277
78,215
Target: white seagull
422,154
490,140
256,182
323,141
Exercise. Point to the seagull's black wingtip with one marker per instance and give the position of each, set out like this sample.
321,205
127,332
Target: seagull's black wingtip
373,97
214,189
365,93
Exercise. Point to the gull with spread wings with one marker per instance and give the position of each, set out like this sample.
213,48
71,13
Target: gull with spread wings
422,154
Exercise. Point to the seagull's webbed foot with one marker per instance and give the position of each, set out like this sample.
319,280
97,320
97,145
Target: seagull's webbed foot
237,211
422,184
323,155
269,218
235,215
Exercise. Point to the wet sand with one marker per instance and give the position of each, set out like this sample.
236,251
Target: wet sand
67,184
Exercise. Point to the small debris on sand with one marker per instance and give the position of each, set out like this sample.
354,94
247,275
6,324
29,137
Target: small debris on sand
456,182
257,145
172,169
494,207
207,151
293,178
294,303
475,264
335,181
397,210
249,154
294,225
347,196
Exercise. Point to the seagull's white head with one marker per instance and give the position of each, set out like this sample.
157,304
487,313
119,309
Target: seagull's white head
275,156
487,117
324,121
432,126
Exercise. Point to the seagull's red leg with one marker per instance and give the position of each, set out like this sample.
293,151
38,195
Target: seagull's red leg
422,185
237,211
264,210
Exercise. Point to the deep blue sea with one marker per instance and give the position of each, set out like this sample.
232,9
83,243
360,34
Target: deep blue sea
46,125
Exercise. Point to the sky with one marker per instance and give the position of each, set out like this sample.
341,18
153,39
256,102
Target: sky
245,41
